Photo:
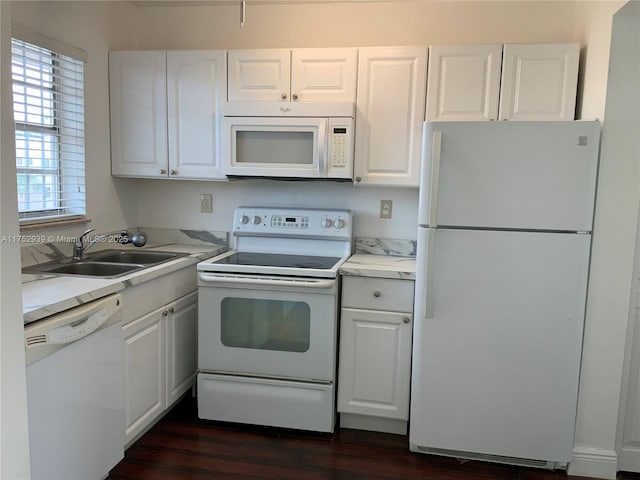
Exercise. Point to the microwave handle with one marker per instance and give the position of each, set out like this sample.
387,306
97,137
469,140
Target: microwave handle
323,145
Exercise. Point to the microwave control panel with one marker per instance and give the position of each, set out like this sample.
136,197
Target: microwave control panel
340,148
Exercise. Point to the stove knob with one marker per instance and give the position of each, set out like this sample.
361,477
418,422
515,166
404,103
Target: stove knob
244,219
256,220
327,223
339,224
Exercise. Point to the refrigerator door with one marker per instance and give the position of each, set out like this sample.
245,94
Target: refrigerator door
497,342
511,175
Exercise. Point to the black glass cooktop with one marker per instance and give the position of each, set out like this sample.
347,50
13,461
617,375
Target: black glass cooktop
279,260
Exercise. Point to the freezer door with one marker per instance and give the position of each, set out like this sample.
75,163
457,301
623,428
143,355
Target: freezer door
496,364
513,175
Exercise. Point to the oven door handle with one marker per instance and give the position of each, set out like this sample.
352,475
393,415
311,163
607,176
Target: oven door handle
249,280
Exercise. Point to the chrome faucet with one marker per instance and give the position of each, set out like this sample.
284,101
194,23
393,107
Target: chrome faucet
78,245
138,239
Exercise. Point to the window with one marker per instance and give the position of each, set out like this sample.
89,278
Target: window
48,108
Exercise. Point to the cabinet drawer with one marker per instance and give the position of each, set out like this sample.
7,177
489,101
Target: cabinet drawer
377,294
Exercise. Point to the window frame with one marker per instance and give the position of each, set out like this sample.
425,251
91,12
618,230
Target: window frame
68,145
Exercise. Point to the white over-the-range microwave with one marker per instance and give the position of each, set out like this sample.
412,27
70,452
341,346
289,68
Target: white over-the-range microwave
288,140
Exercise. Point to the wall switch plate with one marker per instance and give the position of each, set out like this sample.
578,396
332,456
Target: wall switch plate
206,203
386,207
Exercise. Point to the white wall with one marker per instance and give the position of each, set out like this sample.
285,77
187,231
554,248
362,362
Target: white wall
307,24
14,443
168,203
593,24
614,244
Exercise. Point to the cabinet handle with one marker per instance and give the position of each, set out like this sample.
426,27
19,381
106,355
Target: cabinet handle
406,320
165,313
294,96
171,310
376,294
358,179
174,172
163,171
283,96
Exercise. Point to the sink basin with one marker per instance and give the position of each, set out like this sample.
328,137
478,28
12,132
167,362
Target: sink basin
93,269
107,263
127,256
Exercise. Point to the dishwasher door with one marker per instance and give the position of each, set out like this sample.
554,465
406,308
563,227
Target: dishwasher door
75,392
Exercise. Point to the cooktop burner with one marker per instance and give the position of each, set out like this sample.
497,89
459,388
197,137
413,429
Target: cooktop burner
279,260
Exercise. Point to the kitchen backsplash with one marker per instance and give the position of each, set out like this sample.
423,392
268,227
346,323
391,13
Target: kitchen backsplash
186,237
386,246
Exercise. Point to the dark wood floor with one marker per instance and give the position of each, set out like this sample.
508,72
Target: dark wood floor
182,447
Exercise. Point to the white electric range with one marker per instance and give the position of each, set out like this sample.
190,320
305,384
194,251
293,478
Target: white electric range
267,319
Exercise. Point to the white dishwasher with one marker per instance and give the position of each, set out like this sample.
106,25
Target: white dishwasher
75,391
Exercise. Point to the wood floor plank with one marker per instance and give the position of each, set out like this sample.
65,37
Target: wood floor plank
182,447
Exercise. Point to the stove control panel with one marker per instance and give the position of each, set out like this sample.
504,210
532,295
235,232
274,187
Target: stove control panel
283,222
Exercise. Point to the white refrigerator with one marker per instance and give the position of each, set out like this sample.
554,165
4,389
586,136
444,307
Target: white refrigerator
505,220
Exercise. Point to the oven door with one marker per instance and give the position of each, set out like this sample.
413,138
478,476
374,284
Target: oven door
274,146
267,326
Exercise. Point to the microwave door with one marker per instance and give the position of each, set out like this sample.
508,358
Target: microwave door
275,147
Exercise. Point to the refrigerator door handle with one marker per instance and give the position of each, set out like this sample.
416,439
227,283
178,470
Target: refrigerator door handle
428,284
436,149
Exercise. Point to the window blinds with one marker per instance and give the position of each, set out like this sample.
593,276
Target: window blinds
48,105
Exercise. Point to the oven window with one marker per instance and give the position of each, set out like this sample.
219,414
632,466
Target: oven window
274,147
280,325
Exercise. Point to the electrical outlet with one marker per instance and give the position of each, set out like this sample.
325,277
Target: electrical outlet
206,203
386,207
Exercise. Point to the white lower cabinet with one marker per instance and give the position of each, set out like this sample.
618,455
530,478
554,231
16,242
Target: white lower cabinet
160,362
374,371
181,342
144,372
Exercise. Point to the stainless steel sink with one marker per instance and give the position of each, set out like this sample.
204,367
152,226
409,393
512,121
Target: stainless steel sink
105,264
90,269
128,256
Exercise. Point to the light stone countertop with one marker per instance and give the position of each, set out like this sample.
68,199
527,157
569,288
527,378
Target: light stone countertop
44,295
380,266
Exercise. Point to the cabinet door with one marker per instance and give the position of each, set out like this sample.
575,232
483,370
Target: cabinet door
182,352
324,74
144,372
196,88
137,87
375,363
539,82
464,82
391,101
259,75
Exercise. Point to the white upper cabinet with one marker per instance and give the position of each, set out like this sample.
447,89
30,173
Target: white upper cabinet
324,74
259,75
464,82
137,84
539,82
299,75
390,111
165,113
196,86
